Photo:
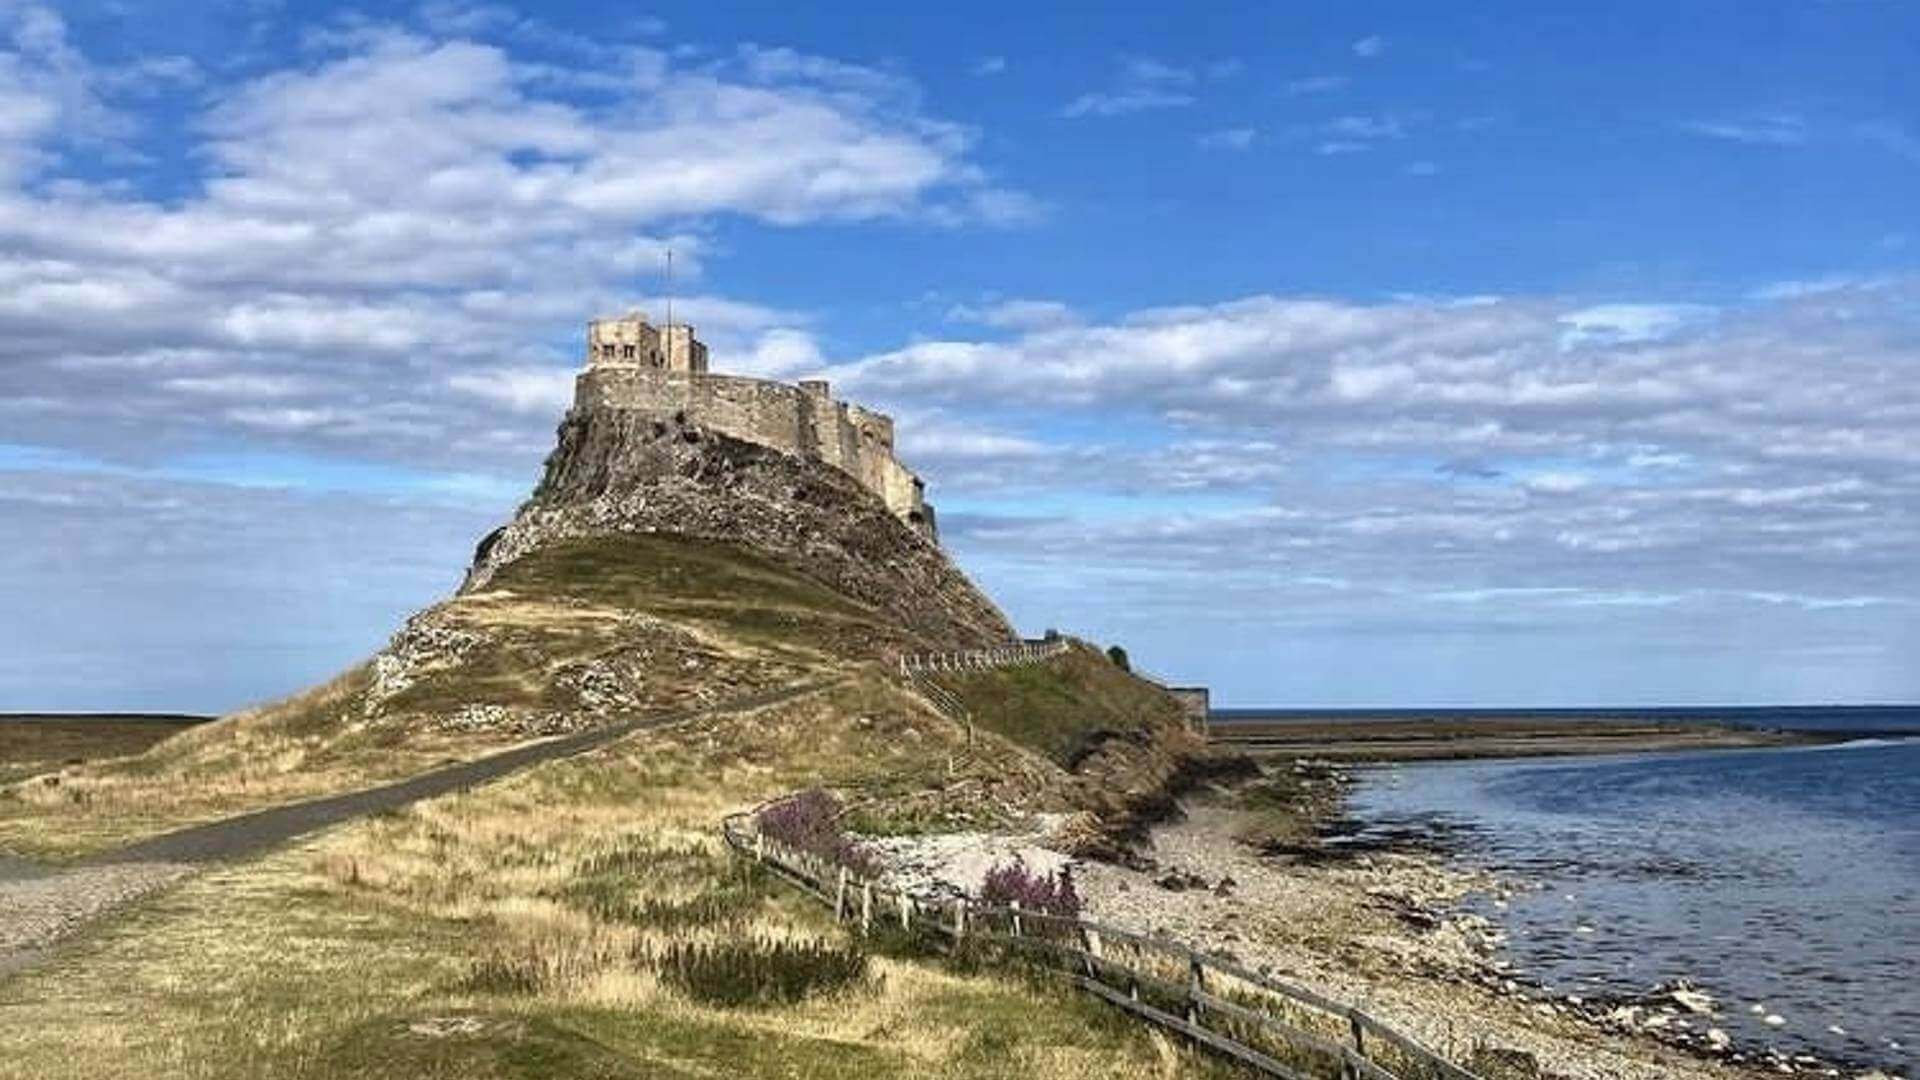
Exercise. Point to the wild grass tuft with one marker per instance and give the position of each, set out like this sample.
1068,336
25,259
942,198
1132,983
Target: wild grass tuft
759,970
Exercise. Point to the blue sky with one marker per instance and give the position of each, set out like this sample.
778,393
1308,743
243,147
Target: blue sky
1385,355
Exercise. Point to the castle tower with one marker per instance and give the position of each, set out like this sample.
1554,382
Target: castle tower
683,351
631,341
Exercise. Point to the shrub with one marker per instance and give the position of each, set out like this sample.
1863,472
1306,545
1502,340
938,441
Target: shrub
1119,657
758,971
810,822
1010,882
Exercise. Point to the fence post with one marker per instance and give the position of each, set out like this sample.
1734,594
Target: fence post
906,912
1359,1033
759,847
866,906
1090,944
1015,906
1196,984
840,897
959,918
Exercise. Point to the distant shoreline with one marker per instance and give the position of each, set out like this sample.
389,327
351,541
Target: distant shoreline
1454,739
37,742
103,717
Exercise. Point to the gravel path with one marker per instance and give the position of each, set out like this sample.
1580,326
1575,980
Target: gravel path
40,905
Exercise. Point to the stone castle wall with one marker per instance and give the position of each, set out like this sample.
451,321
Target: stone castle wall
803,420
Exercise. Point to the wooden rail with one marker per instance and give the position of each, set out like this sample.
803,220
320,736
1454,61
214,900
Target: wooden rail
1027,652
1269,1025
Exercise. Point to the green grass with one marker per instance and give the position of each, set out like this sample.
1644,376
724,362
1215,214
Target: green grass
1063,708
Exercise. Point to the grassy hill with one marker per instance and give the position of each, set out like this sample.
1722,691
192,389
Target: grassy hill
584,633
582,918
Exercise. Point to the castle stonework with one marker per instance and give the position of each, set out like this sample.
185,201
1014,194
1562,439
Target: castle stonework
662,371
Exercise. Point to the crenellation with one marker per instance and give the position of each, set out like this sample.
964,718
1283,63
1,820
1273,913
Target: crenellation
633,365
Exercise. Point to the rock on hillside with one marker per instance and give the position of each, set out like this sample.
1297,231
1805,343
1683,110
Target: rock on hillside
618,471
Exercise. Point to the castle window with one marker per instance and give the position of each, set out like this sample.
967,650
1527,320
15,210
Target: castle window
630,350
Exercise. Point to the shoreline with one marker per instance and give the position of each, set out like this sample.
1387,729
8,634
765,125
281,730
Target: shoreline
1356,741
1380,926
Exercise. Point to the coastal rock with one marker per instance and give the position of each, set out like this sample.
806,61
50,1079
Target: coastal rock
956,864
1686,995
1181,881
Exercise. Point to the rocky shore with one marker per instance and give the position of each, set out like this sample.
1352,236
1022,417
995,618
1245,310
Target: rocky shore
1375,927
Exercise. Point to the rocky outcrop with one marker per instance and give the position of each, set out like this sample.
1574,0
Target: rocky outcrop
622,471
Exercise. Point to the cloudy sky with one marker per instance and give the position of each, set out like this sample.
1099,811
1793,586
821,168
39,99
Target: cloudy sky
1386,356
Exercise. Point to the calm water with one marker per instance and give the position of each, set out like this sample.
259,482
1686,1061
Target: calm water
1784,878
1861,719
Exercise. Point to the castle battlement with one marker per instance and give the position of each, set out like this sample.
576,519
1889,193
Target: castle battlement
632,364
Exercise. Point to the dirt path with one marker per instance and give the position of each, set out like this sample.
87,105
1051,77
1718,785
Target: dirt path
40,905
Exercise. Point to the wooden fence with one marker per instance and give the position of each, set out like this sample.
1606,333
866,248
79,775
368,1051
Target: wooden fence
1271,1026
1027,652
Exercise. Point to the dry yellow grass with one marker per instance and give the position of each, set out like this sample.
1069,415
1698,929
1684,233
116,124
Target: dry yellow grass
358,953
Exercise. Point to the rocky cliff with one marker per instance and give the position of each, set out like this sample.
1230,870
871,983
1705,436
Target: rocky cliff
618,471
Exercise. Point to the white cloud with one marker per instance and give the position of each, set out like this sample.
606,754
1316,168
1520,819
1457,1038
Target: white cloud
394,240
1143,83
1366,127
1228,139
1667,438
47,92
1369,47
1122,102
1764,129
781,352
989,65
1316,84
537,391
1016,314
1617,324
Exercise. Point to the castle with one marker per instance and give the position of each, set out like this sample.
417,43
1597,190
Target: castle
632,364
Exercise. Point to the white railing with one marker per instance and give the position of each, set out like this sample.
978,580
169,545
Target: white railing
1027,652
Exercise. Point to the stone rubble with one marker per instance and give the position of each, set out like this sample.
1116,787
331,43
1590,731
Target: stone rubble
38,911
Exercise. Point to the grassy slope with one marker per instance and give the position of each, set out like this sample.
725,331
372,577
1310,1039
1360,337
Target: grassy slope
1125,742
1065,708
683,623
357,954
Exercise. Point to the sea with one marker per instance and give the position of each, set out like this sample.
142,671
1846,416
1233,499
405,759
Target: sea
1783,881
